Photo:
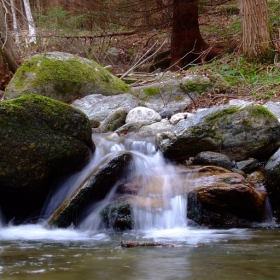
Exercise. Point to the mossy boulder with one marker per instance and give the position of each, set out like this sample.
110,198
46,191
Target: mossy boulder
239,132
40,139
63,77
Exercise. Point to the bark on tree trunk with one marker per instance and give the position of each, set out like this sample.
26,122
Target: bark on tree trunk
256,41
31,25
187,44
8,53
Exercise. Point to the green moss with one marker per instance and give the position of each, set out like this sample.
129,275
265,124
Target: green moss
221,114
65,76
151,91
260,111
196,86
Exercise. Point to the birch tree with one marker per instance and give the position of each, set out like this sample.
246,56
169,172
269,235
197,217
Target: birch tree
256,42
15,25
31,25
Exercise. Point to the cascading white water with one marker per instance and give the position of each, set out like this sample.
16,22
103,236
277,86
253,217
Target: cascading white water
155,174
162,206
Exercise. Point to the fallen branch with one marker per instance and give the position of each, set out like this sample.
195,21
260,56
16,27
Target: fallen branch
121,33
130,244
140,61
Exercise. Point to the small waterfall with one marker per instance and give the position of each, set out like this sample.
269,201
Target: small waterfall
162,203
2,220
269,219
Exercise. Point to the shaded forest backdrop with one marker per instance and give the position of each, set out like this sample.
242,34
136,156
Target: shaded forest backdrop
177,33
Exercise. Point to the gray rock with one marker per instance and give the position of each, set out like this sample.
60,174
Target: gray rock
238,132
247,165
154,128
99,107
166,113
114,121
274,108
112,56
142,114
171,91
213,158
178,117
132,128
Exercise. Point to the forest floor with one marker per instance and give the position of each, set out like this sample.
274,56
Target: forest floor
220,27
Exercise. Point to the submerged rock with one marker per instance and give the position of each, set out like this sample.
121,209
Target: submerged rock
64,77
238,132
40,139
117,216
272,176
93,189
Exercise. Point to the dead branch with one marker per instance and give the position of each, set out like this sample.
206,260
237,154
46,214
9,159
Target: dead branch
140,61
130,244
91,37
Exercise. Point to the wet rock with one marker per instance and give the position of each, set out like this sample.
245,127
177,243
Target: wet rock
238,132
64,77
272,176
230,202
93,189
213,158
117,216
40,140
248,165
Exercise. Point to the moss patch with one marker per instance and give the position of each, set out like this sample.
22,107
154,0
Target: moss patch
151,91
63,79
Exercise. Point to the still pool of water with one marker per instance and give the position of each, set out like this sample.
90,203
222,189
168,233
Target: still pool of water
32,252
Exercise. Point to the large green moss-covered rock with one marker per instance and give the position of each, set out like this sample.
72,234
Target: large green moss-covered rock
40,139
64,77
236,131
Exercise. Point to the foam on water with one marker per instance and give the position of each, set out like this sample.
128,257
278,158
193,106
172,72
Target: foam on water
40,233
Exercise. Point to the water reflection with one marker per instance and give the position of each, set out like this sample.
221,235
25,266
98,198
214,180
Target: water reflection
196,254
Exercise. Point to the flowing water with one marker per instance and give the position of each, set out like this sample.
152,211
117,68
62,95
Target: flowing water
87,252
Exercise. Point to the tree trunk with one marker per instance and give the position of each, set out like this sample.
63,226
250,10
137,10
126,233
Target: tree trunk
256,41
15,25
8,52
187,45
30,21
5,74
